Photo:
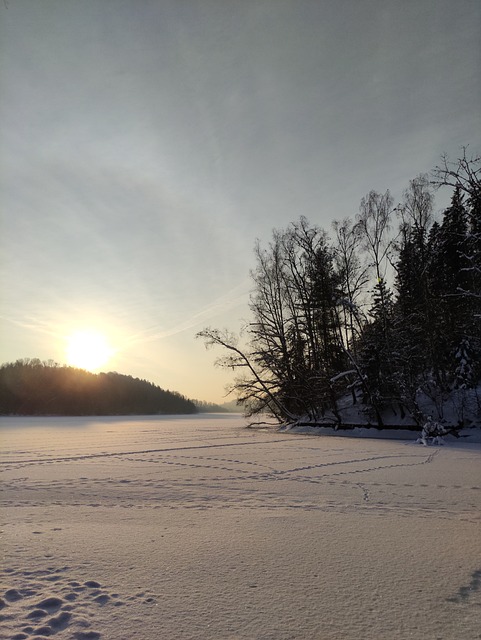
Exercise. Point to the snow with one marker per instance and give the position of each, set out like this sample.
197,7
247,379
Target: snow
465,435
460,406
195,527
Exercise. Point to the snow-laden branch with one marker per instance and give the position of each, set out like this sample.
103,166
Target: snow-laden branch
343,374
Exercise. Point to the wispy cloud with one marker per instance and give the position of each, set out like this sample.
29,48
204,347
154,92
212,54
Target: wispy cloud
32,324
236,297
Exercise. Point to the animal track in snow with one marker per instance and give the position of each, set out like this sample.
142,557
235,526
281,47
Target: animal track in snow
468,591
38,607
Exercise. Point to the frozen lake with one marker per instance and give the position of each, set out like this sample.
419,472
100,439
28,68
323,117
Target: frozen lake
195,527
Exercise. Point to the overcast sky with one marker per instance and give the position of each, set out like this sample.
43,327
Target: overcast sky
145,145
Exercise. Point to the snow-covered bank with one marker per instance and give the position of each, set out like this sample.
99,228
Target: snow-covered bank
464,435
460,407
198,528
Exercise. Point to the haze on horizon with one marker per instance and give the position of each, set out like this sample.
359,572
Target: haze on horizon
146,144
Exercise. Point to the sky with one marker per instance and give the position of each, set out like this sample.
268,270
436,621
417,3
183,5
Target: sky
146,144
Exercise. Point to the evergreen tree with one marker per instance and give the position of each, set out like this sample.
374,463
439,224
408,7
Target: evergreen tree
463,374
449,277
464,175
377,359
415,310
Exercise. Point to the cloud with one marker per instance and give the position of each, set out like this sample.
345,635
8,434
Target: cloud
229,301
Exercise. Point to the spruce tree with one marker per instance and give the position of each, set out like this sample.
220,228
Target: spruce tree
377,358
449,277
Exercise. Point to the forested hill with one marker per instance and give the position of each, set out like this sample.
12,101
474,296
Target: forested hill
32,387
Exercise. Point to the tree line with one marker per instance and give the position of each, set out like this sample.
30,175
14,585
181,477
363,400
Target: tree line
385,311
34,387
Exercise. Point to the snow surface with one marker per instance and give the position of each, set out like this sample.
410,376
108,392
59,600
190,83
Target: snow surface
460,406
471,434
121,528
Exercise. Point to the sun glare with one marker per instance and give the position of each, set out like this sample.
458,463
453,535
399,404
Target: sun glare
88,350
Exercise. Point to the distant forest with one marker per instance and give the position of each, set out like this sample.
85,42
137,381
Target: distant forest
32,387
385,312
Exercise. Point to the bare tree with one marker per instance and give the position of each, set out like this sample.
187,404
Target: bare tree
257,390
353,274
416,207
374,223
292,343
464,173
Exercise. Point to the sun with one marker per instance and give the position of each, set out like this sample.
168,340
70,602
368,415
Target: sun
88,350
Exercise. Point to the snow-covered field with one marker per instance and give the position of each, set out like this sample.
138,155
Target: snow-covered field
198,528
